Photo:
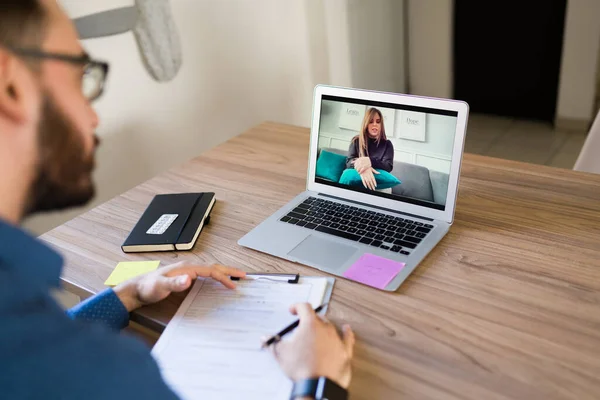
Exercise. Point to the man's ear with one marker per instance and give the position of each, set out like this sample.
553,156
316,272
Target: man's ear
15,80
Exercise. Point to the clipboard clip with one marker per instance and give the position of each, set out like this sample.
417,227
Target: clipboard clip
289,278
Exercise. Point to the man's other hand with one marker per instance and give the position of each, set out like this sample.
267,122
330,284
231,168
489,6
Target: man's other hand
316,349
157,285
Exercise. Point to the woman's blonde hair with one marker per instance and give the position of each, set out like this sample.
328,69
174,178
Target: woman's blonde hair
363,136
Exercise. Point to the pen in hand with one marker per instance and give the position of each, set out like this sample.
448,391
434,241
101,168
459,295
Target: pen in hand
276,338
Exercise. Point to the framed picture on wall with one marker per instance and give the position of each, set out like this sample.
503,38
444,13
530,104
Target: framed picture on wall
389,116
351,116
410,125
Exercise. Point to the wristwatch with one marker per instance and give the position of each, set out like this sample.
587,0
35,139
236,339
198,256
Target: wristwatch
319,389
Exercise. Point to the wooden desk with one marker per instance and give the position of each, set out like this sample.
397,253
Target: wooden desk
506,307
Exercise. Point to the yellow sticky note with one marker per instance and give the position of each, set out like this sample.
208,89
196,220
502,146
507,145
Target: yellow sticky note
127,270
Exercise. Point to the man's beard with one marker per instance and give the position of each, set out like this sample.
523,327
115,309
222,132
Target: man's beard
64,170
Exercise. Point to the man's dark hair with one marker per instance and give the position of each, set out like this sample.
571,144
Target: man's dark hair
22,23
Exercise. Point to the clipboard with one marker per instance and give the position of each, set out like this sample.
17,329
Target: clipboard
294,278
217,332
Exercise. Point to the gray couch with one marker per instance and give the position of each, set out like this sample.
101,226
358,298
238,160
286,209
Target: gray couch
417,182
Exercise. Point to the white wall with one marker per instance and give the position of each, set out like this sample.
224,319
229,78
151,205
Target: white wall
579,64
376,42
430,43
337,42
365,43
244,62
241,66
434,153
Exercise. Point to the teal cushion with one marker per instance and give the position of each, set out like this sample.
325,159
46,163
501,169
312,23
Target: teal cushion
384,180
330,165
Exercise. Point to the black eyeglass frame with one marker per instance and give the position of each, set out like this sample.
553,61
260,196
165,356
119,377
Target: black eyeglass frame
84,60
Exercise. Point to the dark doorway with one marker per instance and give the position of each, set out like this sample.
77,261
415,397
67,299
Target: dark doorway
507,56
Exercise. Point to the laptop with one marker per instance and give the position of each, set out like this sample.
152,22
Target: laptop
412,146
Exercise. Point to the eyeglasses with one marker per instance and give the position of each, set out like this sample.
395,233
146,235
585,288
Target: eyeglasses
94,75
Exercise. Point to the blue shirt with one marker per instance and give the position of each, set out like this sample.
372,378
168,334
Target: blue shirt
46,353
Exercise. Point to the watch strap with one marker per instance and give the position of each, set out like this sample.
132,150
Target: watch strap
320,388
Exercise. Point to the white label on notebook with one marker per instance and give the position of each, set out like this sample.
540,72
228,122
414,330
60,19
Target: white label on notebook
162,224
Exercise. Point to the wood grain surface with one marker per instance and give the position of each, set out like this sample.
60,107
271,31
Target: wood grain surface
506,307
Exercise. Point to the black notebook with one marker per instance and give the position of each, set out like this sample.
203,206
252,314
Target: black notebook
171,222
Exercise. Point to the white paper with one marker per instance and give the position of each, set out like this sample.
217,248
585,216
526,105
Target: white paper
211,348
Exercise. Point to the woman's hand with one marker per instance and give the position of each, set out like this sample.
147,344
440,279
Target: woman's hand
362,164
368,178
157,285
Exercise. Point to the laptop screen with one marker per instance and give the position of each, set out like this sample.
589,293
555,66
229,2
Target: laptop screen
388,150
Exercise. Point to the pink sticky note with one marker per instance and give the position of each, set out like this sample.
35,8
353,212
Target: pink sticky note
374,271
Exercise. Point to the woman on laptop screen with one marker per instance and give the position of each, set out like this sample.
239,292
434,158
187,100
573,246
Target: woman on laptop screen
370,150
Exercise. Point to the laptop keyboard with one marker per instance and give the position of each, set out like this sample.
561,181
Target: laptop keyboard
399,235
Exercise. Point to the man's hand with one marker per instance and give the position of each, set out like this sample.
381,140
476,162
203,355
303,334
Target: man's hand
316,349
157,285
368,178
362,164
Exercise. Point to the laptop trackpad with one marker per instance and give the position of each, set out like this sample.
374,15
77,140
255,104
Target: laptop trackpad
322,252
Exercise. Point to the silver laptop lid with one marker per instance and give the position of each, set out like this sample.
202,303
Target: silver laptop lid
415,145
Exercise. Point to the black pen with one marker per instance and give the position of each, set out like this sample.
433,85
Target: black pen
288,329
